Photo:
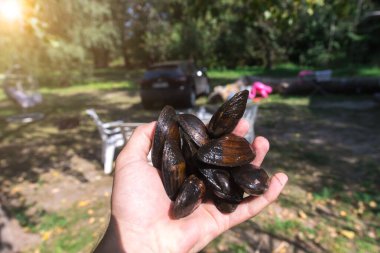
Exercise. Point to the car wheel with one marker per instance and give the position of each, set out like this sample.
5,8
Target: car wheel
191,99
207,92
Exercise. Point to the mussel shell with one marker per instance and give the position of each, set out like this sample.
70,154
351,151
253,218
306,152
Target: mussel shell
227,151
167,127
222,184
224,206
189,197
228,115
194,128
252,179
189,151
173,168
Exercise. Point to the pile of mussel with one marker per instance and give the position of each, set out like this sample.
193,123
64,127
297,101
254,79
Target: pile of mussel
199,162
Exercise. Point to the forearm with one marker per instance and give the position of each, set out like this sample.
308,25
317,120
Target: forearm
111,240
115,241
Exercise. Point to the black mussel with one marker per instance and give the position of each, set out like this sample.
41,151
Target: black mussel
173,168
194,128
227,151
252,179
189,197
167,127
189,151
224,206
222,184
228,115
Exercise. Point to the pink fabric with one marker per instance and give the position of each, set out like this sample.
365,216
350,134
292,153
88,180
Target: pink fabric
258,88
303,73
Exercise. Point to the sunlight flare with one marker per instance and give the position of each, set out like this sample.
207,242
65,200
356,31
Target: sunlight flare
11,9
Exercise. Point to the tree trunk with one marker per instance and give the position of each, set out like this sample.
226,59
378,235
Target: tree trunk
101,58
268,58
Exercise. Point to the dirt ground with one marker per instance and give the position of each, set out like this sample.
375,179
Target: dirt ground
331,154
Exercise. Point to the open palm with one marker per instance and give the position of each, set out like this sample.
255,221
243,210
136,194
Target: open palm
141,219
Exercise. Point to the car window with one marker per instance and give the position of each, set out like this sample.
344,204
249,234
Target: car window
163,71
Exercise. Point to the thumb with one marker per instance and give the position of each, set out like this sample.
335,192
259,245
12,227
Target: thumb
138,145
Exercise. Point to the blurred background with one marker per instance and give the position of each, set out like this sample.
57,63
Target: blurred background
319,62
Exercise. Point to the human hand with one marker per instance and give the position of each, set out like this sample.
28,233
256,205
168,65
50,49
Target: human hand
140,210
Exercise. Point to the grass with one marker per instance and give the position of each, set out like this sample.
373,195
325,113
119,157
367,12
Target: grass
279,226
283,70
118,78
290,124
291,70
93,86
359,71
325,194
237,248
71,231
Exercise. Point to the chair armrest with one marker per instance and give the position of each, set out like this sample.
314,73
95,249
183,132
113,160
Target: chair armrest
113,130
113,124
128,128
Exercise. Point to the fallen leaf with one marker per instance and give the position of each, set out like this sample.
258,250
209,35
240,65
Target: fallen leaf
302,215
372,234
282,248
46,235
373,204
332,232
58,230
16,189
300,236
91,220
358,227
348,234
56,174
83,203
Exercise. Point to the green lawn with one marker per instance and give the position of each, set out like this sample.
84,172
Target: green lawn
291,70
108,79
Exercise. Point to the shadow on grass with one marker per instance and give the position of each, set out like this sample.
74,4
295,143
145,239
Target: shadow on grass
29,150
334,148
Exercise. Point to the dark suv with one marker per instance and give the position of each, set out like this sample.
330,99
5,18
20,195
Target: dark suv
175,82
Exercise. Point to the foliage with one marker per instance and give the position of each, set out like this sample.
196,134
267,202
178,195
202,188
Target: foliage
56,37
61,41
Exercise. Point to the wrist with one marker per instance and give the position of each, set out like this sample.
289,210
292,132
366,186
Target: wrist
111,240
119,240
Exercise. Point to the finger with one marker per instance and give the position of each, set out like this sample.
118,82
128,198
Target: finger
138,145
252,206
261,146
242,128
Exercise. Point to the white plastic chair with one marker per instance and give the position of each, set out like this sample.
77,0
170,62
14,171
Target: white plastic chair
21,88
112,137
